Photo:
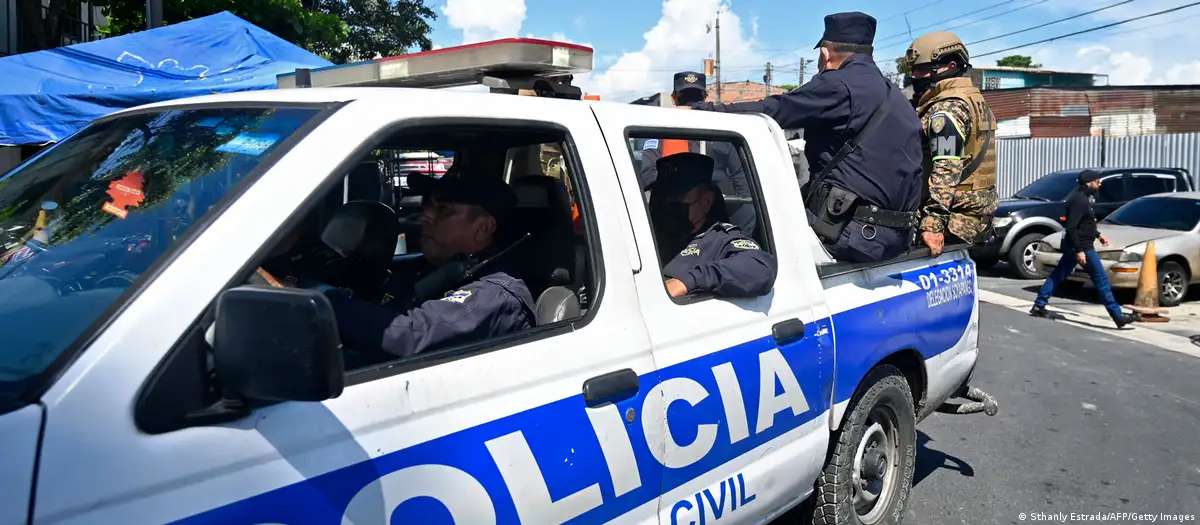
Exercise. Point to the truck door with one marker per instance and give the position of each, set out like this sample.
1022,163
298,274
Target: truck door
535,427
21,429
745,385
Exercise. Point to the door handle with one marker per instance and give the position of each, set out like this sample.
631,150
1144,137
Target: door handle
611,387
788,332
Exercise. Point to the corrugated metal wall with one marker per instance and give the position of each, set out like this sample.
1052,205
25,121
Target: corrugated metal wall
1021,161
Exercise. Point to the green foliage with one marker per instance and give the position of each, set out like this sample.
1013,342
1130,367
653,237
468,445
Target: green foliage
788,87
1017,61
338,30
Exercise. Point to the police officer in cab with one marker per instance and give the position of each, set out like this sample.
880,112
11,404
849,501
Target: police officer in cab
960,158
701,253
462,223
728,173
862,143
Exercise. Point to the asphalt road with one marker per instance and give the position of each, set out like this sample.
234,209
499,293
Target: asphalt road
1088,423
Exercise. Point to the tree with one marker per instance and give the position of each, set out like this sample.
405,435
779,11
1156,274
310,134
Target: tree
904,72
787,87
339,30
1017,61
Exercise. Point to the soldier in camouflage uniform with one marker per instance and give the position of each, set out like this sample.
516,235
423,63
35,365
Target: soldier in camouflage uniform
958,129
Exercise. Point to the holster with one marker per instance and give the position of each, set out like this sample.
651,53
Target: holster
832,209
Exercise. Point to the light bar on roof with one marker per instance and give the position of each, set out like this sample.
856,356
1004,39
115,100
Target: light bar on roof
456,66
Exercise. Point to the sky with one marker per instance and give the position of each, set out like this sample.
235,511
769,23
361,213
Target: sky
640,44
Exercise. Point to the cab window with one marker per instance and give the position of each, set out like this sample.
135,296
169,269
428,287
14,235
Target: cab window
391,258
735,211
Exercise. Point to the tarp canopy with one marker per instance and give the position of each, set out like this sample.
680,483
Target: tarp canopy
48,95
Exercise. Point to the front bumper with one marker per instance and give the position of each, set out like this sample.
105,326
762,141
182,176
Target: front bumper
1121,275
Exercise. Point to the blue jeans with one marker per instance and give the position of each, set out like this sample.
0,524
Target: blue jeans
1066,266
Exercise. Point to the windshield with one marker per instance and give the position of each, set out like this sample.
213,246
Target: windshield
81,222
1053,187
1166,213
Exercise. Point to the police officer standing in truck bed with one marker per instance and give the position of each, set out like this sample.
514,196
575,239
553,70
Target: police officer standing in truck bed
863,207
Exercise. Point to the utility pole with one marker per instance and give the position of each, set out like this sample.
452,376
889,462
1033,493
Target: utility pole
717,62
767,80
802,61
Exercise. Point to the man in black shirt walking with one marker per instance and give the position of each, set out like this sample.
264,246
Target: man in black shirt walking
1078,248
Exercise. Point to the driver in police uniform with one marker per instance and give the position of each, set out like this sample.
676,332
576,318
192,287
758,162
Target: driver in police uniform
701,252
461,218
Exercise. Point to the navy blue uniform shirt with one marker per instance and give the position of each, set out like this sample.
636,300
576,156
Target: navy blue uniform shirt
832,108
495,304
723,261
728,174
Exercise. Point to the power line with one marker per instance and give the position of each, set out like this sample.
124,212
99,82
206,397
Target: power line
1105,26
1080,15
906,33
898,15
984,19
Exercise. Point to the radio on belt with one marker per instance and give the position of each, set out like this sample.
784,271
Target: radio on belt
505,66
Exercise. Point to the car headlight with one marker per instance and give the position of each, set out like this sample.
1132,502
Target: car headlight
1121,256
1000,222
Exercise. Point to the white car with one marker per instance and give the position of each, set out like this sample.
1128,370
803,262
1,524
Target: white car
1171,220
146,379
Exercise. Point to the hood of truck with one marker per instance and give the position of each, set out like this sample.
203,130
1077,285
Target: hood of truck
21,429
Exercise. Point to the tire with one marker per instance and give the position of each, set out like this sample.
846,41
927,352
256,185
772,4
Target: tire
1020,260
1172,283
884,401
985,263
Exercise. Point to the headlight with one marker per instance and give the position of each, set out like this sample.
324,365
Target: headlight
1121,256
1000,222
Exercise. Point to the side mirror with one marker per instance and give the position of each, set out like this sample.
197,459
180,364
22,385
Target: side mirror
277,344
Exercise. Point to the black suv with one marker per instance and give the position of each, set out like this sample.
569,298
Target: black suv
1039,210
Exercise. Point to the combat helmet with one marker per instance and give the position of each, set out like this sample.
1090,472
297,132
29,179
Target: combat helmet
936,47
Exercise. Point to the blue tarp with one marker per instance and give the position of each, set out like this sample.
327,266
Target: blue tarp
47,95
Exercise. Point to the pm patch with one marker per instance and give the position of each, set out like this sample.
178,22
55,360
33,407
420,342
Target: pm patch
744,244
945,141
650,144
457,296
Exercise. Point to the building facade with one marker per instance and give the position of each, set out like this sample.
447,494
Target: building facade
1114,111
77,27
1001,77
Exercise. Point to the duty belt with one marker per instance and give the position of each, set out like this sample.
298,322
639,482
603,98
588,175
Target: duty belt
877,216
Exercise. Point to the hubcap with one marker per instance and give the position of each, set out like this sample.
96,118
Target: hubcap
1027,258
874,474
1173,286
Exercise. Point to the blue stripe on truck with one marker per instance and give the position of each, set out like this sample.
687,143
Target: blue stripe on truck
568,453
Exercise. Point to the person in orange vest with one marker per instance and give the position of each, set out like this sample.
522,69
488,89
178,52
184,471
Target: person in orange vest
729,175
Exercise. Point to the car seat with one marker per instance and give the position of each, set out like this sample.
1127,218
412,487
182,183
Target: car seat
546,260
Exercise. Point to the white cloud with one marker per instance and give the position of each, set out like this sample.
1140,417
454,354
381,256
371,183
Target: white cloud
677,42
1159,50
481,20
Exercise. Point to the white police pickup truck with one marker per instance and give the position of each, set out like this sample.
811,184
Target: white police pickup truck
145,379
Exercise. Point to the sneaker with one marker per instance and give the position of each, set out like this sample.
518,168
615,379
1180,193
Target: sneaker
1038,311
1127,318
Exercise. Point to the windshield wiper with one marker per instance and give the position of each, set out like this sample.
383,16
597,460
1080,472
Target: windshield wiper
1032,197
1118,223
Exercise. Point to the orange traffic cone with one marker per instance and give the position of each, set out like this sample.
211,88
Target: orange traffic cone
1146,300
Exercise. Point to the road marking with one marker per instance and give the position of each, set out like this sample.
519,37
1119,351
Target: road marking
1103,325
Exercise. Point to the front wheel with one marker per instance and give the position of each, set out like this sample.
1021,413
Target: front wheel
868,475
1172,283
1020,257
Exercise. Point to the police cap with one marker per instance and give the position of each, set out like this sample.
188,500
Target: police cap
681,172
849,28
688,80
491,194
